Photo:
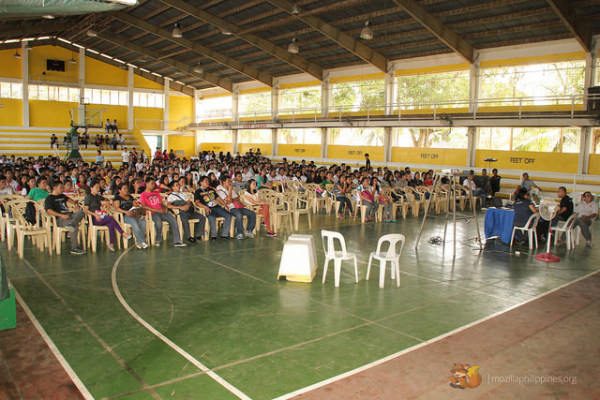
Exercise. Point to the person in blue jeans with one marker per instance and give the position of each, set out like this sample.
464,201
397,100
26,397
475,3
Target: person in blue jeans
124,203
206,197
232,200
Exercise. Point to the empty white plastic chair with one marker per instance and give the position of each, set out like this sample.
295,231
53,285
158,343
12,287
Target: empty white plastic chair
565,227
529,227
329,238
390,255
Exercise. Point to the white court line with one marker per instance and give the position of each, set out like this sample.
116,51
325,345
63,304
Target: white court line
418,346
61,359
166,340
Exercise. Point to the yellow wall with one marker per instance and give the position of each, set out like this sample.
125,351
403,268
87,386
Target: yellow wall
266,149
112,112
154,114
11,112
216,147
420,155
179,107
11,67
594,166
50,113
528,160
100,73
355,152
141,141
143,83
37,64
299,150
183,143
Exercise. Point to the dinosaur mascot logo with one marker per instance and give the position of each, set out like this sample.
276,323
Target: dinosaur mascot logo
463,376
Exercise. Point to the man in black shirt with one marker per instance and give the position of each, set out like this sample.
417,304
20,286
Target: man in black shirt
56,206
565,210
566,205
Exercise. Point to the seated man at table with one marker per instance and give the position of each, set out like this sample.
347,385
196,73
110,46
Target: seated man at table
524,208
565,210
586,211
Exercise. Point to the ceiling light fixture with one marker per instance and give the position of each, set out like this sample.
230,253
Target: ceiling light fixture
293,47
295,9
48,16
198,69
367,32
226,32
16,55
177,31
92,33
72,60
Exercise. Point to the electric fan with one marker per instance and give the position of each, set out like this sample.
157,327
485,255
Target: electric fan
548,210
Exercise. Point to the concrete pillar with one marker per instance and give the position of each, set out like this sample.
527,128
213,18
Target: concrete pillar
590,74
585,149
472,140
25,81
81,72
275,101
390,90
166,88
387,144
130,121
474,81
234,141
235,103
325,96
274,141
324,132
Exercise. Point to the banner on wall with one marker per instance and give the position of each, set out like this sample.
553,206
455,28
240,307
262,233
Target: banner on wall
528,160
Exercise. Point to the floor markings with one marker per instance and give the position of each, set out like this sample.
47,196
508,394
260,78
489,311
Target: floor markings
61,359
91,331
166,340
423,344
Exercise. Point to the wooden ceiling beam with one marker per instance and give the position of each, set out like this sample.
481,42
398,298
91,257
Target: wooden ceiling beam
214,79
252,73
267,46
435,26
578,27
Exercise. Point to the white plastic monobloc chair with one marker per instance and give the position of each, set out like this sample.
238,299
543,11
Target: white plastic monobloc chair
390,255
529,227
329,238
566,228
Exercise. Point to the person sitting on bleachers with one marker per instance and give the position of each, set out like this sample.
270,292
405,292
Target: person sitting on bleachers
495,182
469,185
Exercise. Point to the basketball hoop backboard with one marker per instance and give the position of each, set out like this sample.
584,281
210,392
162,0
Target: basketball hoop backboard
82,117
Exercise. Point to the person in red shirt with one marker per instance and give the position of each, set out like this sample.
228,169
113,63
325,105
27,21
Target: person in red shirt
158,154
152,201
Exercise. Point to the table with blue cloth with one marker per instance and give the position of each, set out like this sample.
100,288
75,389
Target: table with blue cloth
499,222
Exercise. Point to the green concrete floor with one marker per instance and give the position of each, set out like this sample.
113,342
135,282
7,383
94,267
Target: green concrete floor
221,303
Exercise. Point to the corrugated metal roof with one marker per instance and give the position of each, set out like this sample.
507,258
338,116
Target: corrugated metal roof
397,35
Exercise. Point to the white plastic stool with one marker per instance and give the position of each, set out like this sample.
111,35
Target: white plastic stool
298,259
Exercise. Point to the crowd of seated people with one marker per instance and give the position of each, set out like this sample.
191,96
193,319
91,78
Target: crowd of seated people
214,187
